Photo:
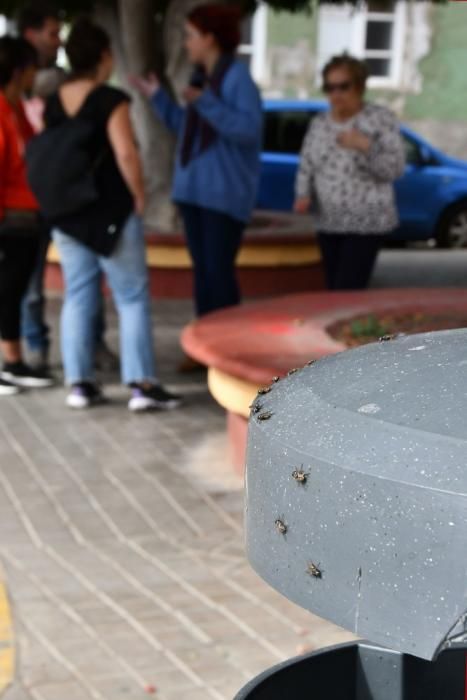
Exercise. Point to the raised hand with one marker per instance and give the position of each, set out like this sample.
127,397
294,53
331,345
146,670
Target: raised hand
354,140
191,94
148,85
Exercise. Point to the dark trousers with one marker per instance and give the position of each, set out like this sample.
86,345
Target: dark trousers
34,329
18,255
213,240
349,259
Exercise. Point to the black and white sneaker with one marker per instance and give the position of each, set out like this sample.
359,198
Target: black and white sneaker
84,395
8,389
22,375
146,397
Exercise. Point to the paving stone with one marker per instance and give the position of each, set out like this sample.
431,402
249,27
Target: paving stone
59,691
125,572
17,692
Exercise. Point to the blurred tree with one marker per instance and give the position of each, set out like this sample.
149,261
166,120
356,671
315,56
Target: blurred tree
148,35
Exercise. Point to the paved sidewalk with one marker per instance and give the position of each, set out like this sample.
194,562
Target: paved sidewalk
121,542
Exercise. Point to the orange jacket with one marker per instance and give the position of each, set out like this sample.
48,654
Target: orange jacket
15,132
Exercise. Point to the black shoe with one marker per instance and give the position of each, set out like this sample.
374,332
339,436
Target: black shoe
145,397
22,375
84,395
8,389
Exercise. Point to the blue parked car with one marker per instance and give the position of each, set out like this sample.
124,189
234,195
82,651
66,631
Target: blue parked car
431,196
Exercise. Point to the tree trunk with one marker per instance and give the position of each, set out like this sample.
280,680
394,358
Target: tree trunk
139,49
139,39
106,16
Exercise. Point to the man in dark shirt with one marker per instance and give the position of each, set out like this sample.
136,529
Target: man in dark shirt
40,24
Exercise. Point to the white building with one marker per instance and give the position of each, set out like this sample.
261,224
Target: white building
392,41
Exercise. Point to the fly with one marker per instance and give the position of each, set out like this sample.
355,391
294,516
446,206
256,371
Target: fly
265,416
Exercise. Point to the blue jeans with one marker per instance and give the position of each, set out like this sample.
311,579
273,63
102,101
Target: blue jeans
34,329
127,276
214,240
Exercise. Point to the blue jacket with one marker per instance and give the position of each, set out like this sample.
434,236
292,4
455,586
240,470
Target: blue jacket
225,176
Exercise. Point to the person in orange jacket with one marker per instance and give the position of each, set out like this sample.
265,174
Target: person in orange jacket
19,218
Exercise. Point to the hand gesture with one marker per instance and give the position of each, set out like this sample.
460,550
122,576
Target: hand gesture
148,85
191,94
354,140
302,205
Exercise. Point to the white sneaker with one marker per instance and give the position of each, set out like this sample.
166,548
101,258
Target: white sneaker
147,398
84,395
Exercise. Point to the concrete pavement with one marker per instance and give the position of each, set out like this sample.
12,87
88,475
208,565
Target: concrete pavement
122,547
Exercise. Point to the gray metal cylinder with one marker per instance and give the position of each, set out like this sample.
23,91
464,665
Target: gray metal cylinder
356,488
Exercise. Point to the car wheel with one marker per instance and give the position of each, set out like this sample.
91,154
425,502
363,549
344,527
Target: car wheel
452,230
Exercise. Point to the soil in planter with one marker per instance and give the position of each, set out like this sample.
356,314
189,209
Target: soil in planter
368,328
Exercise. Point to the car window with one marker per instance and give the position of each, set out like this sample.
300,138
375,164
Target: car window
284,131
412,151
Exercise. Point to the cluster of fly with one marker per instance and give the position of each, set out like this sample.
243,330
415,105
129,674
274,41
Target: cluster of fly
281,527
314,570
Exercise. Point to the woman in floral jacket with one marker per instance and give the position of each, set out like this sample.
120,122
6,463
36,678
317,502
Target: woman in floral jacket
350,159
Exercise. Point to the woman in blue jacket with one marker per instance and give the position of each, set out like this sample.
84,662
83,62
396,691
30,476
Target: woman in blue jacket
219,141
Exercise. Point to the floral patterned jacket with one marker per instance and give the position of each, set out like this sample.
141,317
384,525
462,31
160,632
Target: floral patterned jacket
352,191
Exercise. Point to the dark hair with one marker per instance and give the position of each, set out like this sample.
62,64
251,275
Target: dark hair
86,43
15,54
357,69
222,21
35,15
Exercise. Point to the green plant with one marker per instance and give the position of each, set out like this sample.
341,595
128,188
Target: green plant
368,327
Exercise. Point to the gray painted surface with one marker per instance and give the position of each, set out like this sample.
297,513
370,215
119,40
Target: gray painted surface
375,537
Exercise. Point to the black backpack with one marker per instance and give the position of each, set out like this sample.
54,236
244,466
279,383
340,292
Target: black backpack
61,168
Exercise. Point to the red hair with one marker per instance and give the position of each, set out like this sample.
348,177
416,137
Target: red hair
222,21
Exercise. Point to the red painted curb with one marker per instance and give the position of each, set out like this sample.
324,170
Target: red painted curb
258,340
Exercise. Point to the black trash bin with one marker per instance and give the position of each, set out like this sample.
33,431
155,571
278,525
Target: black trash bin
362,672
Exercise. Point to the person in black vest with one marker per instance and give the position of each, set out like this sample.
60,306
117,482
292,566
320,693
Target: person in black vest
114,220
39,23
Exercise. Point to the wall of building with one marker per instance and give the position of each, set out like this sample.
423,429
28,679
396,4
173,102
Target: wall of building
290,66
443,94
431,94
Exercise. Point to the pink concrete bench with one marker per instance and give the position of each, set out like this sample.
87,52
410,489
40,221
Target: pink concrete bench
280,254
244,347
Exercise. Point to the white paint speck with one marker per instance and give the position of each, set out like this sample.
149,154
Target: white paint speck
370,408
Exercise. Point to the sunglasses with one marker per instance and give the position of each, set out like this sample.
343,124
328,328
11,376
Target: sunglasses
330,88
